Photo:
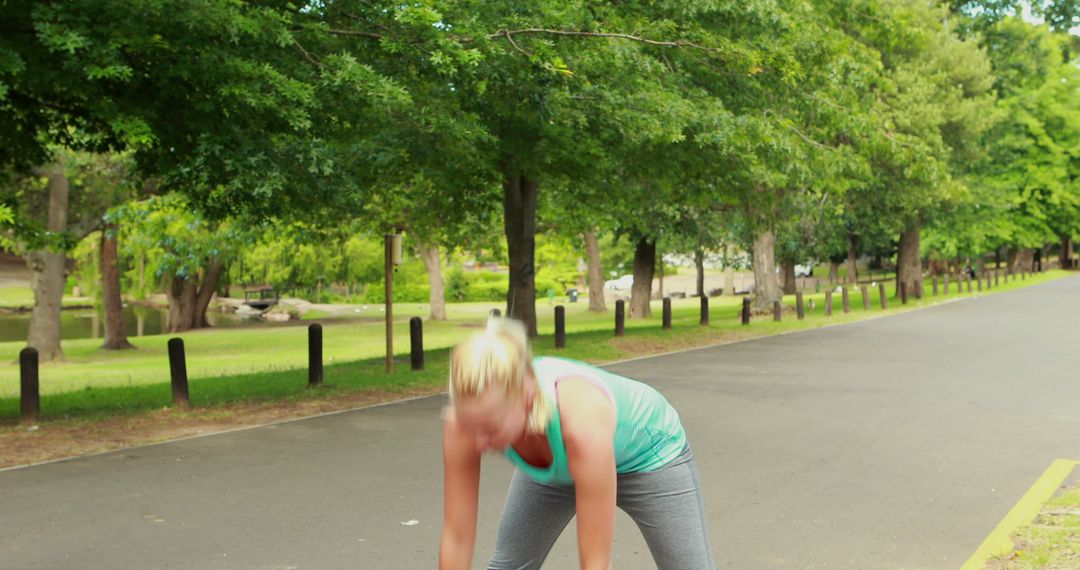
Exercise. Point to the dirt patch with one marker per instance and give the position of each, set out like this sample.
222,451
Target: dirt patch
55,439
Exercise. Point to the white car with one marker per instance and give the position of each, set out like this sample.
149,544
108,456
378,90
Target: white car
623,283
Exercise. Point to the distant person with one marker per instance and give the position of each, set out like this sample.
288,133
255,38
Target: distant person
583,441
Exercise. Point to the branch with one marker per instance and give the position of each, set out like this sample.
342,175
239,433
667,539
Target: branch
307,55
510,39
339,32
574,33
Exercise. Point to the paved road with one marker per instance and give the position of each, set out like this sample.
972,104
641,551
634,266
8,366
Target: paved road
897,442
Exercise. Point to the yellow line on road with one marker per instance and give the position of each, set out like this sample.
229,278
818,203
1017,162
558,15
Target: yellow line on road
1000,540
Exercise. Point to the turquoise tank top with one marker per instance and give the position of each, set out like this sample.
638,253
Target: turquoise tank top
648,433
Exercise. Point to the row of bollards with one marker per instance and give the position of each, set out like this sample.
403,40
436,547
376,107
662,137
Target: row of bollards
29,390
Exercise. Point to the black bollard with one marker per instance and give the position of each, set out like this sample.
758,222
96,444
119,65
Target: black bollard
416,343
560,326
29,391
620,317
881,292
776,311
799,309
314,359
846,300
865,297
746,310
903,293
178,371
704,310
667,313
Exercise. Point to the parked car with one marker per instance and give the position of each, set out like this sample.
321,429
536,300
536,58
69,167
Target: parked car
623,283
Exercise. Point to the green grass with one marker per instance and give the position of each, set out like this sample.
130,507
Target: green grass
1052,540
23,297
269,362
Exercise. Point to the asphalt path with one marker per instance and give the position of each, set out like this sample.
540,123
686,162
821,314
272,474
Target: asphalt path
894,443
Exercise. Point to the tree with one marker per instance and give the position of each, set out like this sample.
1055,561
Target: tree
188,251
1031,167
55,207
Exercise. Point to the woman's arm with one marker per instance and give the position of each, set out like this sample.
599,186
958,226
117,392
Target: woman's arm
461,488
588,421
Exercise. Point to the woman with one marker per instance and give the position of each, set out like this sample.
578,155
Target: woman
583,441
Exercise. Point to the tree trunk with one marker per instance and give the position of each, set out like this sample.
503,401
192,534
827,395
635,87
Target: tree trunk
115,332
729,271
519,214
788,269
49,273
1065,254
1021,259
437,295
766,287
641,291
188,299
181,295
596,273
834,272
852,258
908,262
699,263
660,281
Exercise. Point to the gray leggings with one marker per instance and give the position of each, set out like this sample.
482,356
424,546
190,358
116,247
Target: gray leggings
666,505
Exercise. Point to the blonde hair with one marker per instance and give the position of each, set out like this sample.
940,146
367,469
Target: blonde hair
498,358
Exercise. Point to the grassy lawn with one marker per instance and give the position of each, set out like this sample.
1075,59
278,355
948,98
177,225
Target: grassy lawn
1052,541
269,362
12,297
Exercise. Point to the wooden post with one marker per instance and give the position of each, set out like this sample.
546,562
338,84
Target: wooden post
704,310
560,326
746,310
388,279
776,311
178,372
935,286
667,313
29,385
845,299
946,279
996,277
800,310
416,343
881,292
620,317
865,297
828,303
315,360
903,293
978,283
969,284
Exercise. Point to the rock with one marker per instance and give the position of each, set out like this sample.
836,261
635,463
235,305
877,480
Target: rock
281,312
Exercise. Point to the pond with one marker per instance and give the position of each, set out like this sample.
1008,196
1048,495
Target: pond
90,323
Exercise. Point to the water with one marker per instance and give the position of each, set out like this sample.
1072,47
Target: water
90,323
